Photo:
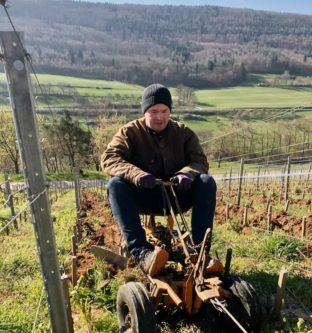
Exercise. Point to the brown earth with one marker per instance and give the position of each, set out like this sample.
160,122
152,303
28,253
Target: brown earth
98,227
280,221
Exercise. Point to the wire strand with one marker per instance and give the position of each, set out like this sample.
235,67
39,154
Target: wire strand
38,309
259,151
11,196
21,211
265,119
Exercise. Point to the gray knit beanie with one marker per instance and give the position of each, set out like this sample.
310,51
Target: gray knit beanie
155,94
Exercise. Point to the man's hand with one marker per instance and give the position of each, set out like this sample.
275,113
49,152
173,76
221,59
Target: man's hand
147,181
184,182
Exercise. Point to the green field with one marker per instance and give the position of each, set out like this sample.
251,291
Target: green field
255,97
247,95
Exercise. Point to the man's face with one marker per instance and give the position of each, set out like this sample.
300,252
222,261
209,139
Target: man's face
157,117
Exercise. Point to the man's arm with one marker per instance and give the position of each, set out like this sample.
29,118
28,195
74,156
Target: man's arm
195,156
116,160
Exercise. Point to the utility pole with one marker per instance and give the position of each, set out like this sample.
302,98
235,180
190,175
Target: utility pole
15,62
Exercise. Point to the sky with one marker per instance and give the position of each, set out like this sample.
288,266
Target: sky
286,6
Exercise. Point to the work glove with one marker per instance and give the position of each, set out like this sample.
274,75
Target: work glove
147,181
184,182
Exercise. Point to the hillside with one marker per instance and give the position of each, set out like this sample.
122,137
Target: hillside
198,46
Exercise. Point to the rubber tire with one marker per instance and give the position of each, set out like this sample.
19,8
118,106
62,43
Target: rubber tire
244,305
135,309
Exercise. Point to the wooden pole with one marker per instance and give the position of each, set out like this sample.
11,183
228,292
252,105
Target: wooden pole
74,245
229,185
8,196
240,182
304,227
287,179
307,181
245,215
280,293
74,270
286,206
227,209
77,189
269,218
64,279
258,178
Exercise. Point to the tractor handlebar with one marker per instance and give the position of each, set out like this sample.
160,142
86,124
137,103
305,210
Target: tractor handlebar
172,182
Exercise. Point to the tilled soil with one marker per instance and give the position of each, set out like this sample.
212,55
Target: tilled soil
98,228
280,221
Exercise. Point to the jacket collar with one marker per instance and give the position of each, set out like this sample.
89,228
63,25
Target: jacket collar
154,133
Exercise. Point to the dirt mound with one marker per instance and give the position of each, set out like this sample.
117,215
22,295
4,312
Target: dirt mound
99,222
98,228
280,221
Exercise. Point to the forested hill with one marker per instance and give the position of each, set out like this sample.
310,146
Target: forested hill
197,46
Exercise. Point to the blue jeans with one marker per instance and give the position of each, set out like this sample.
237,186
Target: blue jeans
128,201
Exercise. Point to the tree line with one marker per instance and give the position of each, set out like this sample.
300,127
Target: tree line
198,46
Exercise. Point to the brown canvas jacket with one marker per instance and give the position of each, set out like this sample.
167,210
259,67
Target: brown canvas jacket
136,150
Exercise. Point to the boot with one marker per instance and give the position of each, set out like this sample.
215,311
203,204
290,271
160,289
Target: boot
152,262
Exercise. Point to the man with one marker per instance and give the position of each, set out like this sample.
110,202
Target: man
146,149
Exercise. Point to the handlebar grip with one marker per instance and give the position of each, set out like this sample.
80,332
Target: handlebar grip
163,182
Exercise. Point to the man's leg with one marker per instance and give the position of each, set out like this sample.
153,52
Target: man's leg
204,204
202,197
127,201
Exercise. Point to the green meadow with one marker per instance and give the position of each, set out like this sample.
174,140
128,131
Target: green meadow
247,95
255,97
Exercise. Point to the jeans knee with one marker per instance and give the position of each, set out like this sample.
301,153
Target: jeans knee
115,184
208,182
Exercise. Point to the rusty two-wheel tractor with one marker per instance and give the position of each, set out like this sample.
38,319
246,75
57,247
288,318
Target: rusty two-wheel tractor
189,280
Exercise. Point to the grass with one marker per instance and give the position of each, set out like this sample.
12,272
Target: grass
257,257
21,280
246,95
87,174
254,97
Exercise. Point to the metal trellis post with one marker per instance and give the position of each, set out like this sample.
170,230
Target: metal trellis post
18,79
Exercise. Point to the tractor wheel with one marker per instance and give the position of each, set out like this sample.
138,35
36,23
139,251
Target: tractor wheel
244,305
135,309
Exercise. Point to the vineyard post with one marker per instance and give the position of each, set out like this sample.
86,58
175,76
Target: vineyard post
280,293
307,181
230,179
245,217
8,196
241,172
21,98
286,206
77,189
269,218
287,172
304,227
227,208
67,302
258,177
282,182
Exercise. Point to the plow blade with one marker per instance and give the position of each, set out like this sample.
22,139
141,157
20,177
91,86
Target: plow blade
109,256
